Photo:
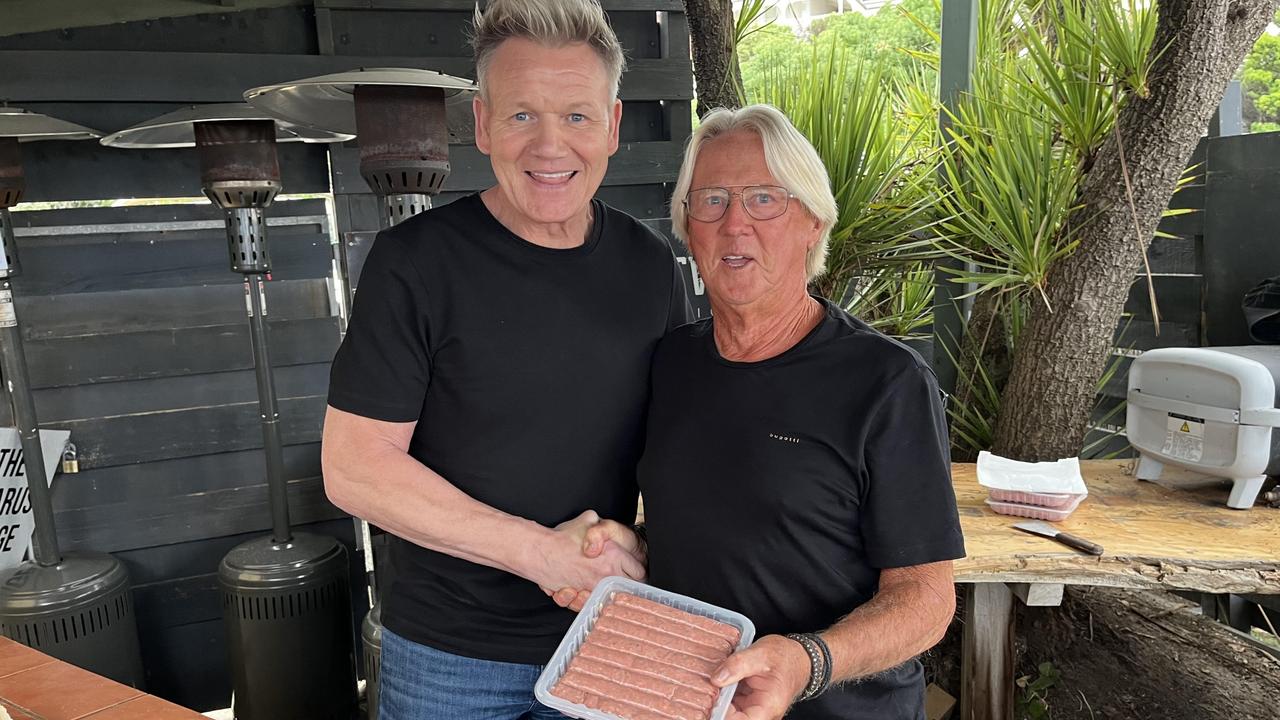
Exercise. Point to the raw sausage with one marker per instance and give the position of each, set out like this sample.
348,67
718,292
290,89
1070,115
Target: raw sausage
643,660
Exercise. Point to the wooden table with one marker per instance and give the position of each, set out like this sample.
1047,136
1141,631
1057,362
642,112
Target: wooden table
1177,535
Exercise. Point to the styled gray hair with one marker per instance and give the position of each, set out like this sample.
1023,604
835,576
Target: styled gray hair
553,23
790,157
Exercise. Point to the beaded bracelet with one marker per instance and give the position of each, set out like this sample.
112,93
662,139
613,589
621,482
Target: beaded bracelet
819,664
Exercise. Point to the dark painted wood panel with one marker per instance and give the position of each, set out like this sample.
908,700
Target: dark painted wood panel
643,121
644,202
59,269
187,664
66,404
89,76
274,30
437,32
142,214
167,353
46,317
1182,227
64,170
1179,255
181,601
634,164
1141,335
146,437
1241,217
148,482
1178,297
216,513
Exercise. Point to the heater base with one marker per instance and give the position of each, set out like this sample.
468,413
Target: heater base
79,611
287,611
371,635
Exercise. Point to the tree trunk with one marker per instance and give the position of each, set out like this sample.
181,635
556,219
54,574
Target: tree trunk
715,66
1063,351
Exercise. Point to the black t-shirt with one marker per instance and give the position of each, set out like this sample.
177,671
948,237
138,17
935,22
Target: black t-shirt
527,371
780,488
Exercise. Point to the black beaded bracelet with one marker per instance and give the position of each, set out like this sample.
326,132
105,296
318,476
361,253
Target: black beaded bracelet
819,664
827,664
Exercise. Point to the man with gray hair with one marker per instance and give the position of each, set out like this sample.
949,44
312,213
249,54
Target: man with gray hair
488,400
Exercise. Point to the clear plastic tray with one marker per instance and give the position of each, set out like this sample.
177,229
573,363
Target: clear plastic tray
586,620
1035,511
1049,500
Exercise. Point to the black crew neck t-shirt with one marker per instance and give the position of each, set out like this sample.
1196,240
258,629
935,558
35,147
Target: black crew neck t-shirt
527,372
781,488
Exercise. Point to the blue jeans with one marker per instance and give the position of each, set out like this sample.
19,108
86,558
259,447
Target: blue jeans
417,682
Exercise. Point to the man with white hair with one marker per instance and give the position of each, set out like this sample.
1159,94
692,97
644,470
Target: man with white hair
796,466
488,399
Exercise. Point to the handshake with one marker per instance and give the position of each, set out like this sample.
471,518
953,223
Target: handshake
583,551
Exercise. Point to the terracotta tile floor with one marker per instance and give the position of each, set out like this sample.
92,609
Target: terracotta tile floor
34,686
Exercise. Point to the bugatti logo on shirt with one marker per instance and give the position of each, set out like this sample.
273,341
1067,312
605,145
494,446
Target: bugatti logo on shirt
784,438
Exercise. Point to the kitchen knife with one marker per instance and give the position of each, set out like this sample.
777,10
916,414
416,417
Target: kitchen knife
1045,530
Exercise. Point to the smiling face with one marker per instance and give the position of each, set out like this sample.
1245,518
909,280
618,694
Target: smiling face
748,263
548,122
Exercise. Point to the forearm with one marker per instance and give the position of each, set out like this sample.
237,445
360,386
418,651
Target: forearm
909,615
392,490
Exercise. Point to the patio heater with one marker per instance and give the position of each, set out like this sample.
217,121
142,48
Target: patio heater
402,119
77,607
286,598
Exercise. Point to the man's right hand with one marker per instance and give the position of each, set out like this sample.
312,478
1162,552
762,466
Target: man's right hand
600,539
578,554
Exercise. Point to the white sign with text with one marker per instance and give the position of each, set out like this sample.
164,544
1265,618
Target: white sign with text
17,522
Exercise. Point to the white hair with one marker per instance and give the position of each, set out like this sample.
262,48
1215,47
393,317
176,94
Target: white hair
553,23
790,157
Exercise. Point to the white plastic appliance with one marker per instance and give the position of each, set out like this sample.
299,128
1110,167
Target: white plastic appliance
1209,410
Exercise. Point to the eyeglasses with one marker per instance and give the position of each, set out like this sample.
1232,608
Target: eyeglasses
762,202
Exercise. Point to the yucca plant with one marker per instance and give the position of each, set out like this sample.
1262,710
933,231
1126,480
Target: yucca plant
883,177
1010,186
896,300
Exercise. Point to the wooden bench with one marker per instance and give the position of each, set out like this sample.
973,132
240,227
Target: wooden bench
1175,535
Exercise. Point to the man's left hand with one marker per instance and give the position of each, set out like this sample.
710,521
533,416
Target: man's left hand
770,675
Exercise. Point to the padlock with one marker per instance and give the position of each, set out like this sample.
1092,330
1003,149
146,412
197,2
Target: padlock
70,463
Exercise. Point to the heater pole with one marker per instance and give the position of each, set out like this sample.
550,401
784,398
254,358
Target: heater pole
255,290
13,364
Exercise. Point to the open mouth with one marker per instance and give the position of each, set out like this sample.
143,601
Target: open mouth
551,178
736,261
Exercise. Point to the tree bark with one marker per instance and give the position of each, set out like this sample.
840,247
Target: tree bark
715,66
1063,351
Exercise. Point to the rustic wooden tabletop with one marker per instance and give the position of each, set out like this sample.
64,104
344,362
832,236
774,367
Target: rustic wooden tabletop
1175,535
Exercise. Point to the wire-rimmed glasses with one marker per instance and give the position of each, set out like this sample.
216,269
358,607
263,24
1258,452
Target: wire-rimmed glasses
762,202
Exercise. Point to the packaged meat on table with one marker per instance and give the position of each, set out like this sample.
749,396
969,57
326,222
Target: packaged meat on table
637,652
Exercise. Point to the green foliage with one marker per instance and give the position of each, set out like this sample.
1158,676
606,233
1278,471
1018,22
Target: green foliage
1032,704
890,40
882,176
1261,84
896,300
997,190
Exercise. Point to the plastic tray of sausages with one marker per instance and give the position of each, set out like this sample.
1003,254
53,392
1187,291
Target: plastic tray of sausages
633,655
